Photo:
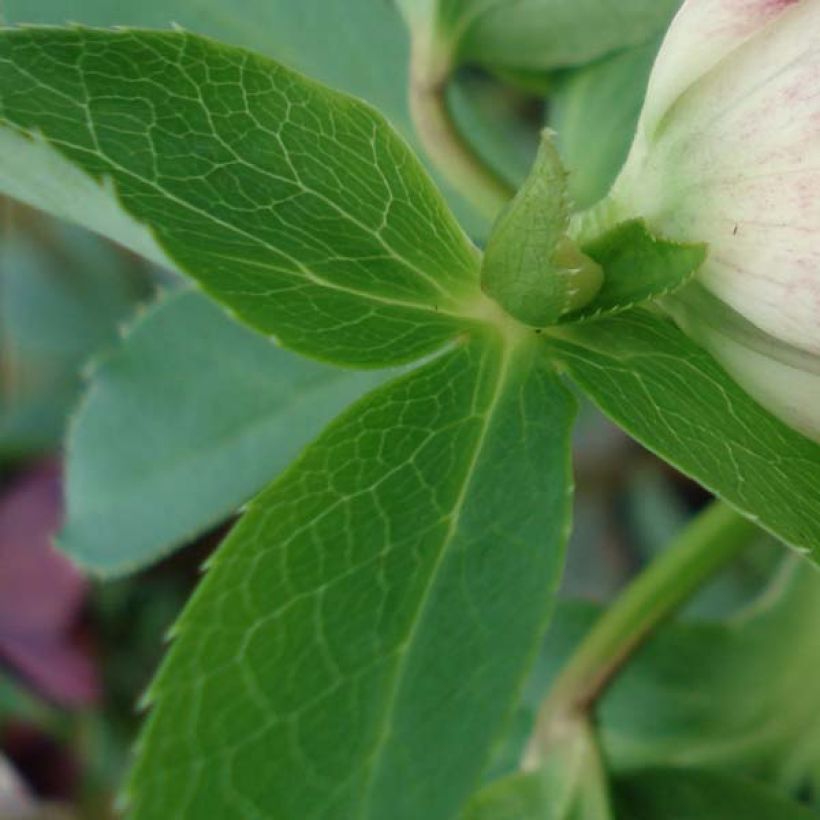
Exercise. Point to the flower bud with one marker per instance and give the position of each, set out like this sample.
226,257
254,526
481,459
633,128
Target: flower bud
728,153
531,267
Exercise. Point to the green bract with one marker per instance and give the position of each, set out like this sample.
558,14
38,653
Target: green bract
677,401
531,267
295,33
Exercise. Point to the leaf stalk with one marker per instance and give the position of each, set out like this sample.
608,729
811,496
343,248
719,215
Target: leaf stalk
710,542
440,136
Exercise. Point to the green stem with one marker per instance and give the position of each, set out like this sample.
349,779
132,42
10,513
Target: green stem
594,798
446,146
707,544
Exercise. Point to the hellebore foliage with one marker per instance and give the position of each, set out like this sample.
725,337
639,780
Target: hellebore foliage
361,640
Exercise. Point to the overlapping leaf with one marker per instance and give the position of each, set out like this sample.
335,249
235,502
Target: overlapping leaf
768,730
354,617
191,417
540,35
638,268
569,784
297,207
321,38
676,400
695,674
329,40
704,713
608,91
61,299
682,794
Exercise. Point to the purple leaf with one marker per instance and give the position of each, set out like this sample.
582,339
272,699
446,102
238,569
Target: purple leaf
41,594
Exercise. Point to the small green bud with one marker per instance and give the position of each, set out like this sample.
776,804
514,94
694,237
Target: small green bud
531,267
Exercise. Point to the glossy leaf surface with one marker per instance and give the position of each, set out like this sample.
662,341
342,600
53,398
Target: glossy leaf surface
385,597
673,397
297,207
297,34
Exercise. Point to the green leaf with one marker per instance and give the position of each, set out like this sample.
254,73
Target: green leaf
297,207
547,34
570,784
361,637
638,267
768,729
685,698
522,796
297,34
62,296
672,396
730,695
611,91
292,33
212,412
18,704
681,794
538,35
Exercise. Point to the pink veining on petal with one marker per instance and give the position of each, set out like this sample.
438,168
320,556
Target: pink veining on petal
702,35
767,8
749,15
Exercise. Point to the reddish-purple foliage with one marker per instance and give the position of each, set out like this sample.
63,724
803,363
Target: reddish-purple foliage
41,594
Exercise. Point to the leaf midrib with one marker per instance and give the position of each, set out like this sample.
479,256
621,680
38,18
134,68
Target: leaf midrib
506,355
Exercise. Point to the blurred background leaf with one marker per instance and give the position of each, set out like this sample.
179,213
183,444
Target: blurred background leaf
595,112
41,595
63,295
187,419
543,35
681,794
729,694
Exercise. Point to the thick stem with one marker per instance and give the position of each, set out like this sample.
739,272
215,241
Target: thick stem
707,544
446,146
573,775
594,798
